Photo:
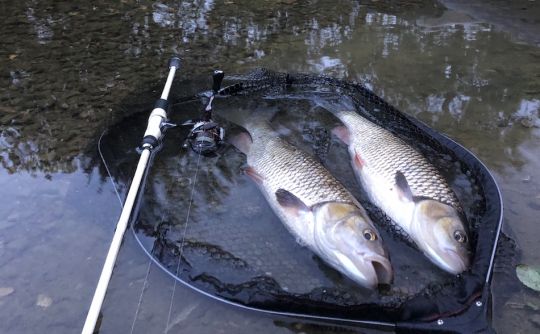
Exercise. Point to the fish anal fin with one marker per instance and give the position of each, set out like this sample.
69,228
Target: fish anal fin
342,133
242,141
403,188
291,203
250,171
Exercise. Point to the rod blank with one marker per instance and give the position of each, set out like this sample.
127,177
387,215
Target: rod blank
121,225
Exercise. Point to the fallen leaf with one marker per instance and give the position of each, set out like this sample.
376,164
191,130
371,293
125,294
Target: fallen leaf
529,276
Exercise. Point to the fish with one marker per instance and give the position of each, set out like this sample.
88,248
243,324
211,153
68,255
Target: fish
408,189
314,206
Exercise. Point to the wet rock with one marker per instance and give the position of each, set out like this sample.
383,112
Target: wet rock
534,206
533,306
6,291
503,123
527,122
524,302
43,301
514,305
535,319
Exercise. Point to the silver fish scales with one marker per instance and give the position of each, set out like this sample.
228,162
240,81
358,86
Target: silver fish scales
409,189
314,206
284,166
386,153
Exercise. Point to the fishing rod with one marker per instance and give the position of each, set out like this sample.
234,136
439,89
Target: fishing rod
204,138
157,122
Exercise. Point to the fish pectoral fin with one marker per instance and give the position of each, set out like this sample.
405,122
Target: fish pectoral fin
358,161
403,188
242,141
250,171
342,133
291,203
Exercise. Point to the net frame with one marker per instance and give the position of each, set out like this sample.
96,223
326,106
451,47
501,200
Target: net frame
453,303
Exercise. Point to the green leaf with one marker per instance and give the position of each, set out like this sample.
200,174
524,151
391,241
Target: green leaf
529,276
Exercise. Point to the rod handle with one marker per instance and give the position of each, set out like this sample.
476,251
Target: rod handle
217,78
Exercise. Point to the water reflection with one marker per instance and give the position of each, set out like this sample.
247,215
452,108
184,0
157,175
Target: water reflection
72,69
191,17
528,112
516,18
444,65
327,64
42,26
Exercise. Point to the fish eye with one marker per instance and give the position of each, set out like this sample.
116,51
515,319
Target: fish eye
369,235
460,236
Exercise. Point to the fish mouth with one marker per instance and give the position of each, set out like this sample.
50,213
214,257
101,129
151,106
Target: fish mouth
454,262
375,270
382,269
368,271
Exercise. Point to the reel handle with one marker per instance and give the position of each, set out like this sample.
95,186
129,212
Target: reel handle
217,78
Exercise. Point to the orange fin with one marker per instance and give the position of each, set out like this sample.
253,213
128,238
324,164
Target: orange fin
342,133
358,161
250,171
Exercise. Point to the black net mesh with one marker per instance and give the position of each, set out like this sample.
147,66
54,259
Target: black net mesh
208,225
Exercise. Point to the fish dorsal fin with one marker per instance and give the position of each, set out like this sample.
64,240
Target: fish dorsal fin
290,202
342,133
403,188
242,141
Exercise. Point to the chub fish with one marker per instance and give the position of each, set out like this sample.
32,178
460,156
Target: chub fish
314,206
410,190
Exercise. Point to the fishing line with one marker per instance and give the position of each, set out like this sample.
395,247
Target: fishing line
145,282
152,136
115,187
119,197
143,289
107,169
183,241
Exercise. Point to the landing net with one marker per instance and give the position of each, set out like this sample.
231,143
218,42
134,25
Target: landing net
234,248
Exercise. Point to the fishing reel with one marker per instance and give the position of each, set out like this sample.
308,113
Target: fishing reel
206,136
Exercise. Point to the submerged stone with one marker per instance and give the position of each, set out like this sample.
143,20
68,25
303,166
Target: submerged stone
43,301
6,291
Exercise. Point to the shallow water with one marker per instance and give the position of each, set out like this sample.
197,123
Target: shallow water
68,71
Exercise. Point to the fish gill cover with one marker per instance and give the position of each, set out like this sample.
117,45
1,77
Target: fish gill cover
207,224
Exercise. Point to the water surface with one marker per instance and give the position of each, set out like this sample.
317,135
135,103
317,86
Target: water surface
70,70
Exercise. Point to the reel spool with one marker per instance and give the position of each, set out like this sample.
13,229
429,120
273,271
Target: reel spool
206,136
